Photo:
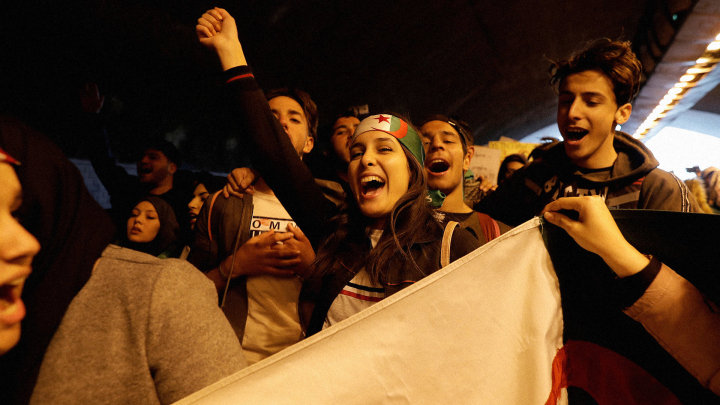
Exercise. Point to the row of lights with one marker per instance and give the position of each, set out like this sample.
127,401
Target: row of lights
702,67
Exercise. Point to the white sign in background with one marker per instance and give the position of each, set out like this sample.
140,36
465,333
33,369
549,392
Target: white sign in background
486,162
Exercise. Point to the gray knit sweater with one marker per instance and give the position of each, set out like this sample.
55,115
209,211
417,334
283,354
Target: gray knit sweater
142,331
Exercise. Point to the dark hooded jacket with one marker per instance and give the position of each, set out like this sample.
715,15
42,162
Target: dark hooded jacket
633,182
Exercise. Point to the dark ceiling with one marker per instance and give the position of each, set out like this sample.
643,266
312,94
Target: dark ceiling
485,61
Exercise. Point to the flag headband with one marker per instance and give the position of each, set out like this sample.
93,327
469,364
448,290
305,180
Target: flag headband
406,135
4,157
396,127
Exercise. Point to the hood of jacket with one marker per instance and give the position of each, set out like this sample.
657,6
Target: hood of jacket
634,160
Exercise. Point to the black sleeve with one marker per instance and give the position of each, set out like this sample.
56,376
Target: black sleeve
513,202
631,288
274,157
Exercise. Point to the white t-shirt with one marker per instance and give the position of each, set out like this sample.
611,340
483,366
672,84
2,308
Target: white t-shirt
360,293
273,322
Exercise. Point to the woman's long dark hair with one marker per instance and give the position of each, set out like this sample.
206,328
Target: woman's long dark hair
408,219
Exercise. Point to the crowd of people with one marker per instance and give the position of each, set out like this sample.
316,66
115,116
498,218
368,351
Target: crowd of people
190,277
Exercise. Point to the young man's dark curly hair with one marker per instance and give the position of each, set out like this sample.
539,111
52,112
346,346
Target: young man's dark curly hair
614,59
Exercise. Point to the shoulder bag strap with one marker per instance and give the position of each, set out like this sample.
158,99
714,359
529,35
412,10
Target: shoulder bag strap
447,238
212,202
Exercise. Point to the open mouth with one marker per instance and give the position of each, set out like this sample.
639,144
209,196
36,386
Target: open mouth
575,134
438,166
12,309
144,170
371,185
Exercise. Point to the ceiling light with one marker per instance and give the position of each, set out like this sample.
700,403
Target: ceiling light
704,64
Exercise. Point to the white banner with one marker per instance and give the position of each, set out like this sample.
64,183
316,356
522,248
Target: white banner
479,331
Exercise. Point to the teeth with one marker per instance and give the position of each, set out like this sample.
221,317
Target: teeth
14,283
368,179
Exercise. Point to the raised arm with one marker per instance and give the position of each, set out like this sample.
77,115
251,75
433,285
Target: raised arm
113,177
270,149
216,30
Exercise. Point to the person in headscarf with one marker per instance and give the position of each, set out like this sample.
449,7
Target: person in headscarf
152,228
72,230
17,249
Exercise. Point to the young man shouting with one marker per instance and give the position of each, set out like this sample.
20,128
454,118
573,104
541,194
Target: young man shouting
448,151
595,87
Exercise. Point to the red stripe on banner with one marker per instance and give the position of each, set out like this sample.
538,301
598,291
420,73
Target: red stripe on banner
246,75
559,377
608,377
360,297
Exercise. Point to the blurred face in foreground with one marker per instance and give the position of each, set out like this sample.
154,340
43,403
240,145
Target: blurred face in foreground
17,249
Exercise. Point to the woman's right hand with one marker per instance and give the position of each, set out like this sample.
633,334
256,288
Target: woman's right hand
216,30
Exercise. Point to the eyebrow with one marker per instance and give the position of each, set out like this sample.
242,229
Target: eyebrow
141,211
290,112
585,94
442,132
